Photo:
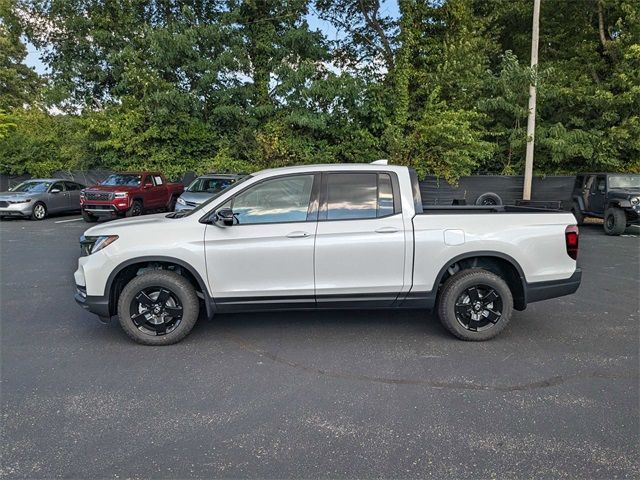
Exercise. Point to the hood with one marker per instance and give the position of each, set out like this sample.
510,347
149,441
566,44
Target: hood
14,195
110,188
196,197
624,192
148,222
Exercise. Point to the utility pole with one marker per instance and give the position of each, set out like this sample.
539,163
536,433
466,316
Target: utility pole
531,119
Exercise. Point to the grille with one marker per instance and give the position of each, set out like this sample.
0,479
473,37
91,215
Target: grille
191,204
4,204
100,196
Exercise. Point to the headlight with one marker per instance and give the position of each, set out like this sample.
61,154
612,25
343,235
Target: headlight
635,201
181,201
103,242
26,200
121,195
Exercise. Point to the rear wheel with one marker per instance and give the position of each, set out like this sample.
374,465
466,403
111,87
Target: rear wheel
39,211
158,308
475,305
615,221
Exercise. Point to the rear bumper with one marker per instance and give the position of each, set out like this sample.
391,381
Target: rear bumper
535,292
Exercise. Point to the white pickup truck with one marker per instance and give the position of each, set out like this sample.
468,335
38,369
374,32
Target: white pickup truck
326,237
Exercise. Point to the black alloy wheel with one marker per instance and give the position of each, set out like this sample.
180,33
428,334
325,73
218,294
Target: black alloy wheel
475,304
478,308
158,307
136,209
156,311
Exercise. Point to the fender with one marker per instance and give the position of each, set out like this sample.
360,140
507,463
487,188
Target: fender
208,301
618,202
428,299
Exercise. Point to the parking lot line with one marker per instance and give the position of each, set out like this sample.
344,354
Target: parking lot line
71,220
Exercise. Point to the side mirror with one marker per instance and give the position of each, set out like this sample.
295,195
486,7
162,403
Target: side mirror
601,188
55,190
223,217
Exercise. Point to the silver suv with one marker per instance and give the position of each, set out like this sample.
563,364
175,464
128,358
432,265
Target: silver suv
203,188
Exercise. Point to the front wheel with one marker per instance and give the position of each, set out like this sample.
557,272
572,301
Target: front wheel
172,204
475,305
615,221
158,308
135,209
39,211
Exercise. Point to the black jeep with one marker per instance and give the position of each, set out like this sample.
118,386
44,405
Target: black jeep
615,197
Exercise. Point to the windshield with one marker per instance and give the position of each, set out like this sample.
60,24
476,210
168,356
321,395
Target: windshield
34,187
209,185
624,181
204,205
120,180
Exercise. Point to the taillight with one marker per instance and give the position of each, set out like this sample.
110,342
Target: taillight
571,234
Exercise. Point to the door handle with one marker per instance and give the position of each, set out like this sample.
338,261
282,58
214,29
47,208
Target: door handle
298,234
387,230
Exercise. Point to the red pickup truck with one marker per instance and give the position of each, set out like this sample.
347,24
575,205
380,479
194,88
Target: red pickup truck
128,194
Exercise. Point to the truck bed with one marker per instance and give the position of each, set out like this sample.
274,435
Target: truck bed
470,209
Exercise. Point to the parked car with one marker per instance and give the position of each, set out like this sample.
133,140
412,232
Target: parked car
203,188
129,194
325,237
39,197
614,197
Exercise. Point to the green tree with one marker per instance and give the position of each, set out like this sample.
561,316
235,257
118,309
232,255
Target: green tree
19,85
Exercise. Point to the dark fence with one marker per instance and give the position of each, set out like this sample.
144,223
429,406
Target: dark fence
437,191
434,190
89,177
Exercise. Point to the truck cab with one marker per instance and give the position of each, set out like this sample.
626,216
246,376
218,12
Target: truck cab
128,195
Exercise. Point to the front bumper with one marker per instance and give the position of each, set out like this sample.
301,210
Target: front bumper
535,292
94,304
17,210
103,210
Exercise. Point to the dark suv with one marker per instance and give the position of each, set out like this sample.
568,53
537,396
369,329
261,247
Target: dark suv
615,197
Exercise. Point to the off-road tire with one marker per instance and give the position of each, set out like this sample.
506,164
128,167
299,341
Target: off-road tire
178,286
615,221
456,285
135,209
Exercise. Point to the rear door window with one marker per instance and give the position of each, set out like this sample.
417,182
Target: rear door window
358,196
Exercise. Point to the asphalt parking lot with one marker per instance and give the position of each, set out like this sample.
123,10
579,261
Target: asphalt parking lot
307,395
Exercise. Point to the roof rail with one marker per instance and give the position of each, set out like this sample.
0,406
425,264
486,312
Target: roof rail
380,162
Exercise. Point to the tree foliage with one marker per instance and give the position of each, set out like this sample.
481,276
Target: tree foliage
241,85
